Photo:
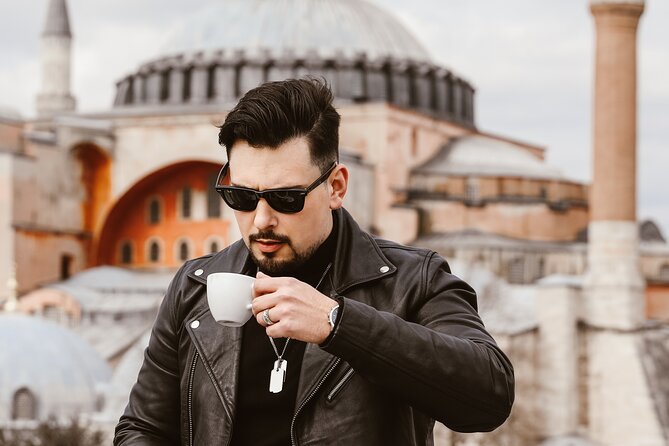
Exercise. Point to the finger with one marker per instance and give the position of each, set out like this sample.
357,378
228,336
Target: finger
269,284
265,301
278,330
271,313
261,275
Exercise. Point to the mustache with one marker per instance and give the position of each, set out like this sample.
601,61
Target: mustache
270,235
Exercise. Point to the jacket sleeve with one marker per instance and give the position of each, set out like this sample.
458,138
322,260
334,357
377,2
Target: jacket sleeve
152,416
443,362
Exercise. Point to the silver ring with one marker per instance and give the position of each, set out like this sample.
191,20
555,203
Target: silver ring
265,317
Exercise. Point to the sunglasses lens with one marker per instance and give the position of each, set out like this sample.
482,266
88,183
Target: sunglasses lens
239,199
288,202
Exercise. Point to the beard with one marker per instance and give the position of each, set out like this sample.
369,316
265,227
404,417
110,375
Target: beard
273,266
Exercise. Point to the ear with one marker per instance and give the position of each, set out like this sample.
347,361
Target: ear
337,186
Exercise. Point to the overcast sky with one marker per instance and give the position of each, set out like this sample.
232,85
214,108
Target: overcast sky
530,60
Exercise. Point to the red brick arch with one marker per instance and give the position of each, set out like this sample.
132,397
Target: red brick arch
128,218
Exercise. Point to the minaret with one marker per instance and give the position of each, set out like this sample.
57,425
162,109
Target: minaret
55,95
620,406
615,287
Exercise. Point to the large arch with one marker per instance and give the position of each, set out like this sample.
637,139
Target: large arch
128,219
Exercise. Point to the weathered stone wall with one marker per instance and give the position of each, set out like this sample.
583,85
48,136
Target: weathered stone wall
7,244
533,221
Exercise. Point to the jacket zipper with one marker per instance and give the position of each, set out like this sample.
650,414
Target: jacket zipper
190,399
293,441
335,390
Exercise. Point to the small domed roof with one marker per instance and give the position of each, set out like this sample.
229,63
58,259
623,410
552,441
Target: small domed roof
9,113
125,376
326,27
63,373
484,156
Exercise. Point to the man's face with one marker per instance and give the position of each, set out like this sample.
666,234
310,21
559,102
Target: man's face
281,243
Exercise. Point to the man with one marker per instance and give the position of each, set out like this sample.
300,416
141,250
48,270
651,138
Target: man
376,339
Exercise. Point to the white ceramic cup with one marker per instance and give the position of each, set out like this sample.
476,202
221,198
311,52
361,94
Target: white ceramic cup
229,296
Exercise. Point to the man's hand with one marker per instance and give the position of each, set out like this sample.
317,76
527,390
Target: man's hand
297,309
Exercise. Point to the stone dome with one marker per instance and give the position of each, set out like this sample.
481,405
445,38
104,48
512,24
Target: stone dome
483,156
55,370
326,27
230,47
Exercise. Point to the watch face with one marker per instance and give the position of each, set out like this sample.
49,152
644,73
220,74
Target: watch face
333,316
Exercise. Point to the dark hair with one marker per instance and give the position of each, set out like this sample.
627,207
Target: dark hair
275,112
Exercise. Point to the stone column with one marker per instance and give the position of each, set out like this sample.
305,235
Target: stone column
620,405
424,87
153,85
614,282
176,84
441,91
199,83
377,81
557,314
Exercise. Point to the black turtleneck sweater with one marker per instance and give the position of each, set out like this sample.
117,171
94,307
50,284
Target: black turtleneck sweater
263,418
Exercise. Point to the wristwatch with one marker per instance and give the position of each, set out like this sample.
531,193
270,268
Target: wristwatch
332,316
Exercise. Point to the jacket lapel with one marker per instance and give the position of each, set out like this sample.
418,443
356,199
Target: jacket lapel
219,348
358,259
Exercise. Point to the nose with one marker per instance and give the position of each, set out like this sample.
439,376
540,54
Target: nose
265,216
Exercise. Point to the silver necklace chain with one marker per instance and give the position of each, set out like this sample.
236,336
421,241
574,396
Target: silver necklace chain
276,351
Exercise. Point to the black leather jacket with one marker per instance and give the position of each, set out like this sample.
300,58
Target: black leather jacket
409,348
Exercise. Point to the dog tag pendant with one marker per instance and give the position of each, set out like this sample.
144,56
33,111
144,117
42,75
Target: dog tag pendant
278,376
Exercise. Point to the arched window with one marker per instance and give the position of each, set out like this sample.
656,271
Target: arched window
541,268
516,271
65,266
184,252
186,200
212,244
126,253
472,190
664,271
154,211
24,405
154,251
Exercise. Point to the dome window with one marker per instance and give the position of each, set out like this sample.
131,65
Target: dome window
24,405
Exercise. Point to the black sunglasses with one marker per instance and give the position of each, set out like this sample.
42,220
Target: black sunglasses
286,201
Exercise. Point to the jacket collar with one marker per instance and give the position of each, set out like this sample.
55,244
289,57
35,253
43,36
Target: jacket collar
358,258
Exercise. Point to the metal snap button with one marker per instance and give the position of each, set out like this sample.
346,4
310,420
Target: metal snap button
199,272
384,269
194,324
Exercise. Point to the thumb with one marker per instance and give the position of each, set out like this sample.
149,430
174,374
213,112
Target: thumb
261,275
